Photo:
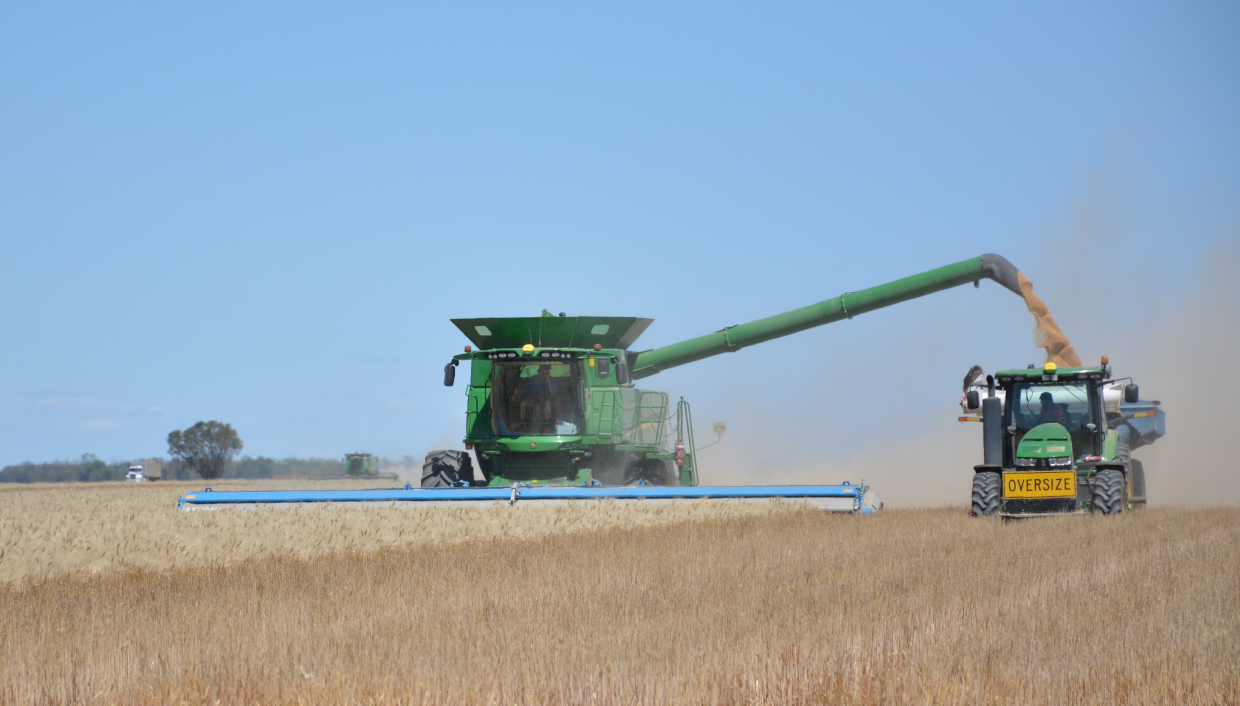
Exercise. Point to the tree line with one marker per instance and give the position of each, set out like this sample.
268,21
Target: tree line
91,469
205,451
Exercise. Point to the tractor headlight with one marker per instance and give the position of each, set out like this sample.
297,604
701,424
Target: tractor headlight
1061,461
1026,461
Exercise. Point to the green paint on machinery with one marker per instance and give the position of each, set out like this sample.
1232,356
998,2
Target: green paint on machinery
550,399
1059,440
361,464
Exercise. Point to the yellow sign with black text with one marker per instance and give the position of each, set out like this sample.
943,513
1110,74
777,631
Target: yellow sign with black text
1039,484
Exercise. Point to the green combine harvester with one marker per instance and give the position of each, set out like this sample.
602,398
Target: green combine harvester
551,399
361,465
1059,440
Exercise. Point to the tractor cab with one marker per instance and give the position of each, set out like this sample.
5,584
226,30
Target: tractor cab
1058,418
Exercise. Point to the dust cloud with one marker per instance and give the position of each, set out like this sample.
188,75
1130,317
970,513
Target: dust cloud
933,468
1184,361
1047,333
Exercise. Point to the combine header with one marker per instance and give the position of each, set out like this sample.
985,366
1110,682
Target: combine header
552,414
837,498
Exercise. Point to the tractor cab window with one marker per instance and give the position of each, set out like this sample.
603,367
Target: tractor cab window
536,398
1068,403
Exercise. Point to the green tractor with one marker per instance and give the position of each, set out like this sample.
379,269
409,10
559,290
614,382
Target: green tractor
551,398
1059,440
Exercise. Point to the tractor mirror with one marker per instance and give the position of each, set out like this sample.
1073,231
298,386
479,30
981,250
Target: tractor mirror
972,399
449,374
622,373
1131,393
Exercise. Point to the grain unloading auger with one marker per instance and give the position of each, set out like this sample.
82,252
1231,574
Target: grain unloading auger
553,416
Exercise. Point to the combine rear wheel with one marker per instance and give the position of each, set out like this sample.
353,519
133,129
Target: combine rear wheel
986,493
1108,493
443,468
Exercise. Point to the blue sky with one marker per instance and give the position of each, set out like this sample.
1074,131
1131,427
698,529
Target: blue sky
267,214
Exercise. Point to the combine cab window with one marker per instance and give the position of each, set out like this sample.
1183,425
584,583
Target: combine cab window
536,398
1069,404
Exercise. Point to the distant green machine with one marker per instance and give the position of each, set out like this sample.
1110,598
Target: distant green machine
361,464
551,398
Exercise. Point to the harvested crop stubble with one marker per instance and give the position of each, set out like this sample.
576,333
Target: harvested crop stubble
793,607
61,528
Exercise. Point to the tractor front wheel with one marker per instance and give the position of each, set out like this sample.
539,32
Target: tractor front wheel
986,493
1108,495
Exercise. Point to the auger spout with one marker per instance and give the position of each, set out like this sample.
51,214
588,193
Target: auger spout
845,306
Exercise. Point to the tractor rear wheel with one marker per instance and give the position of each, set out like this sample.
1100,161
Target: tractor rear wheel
986,493
1108,495
443,468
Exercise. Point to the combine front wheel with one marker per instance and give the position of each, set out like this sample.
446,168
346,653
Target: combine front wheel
986,488
1108,493
443,468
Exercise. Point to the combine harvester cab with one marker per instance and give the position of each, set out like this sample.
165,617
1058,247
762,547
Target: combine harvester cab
553,415
1059,440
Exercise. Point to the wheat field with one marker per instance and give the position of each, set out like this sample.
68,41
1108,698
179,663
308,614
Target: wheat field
620,604
82,529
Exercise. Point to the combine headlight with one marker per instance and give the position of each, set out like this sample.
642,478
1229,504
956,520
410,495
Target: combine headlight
1026,461
1060,460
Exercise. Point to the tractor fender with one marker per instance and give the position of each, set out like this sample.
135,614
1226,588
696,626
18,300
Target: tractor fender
985,468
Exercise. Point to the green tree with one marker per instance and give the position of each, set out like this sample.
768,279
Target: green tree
205,447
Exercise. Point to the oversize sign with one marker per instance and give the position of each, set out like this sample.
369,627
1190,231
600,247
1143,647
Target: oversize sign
1037,484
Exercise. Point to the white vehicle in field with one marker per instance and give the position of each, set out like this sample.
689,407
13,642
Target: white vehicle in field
144,470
